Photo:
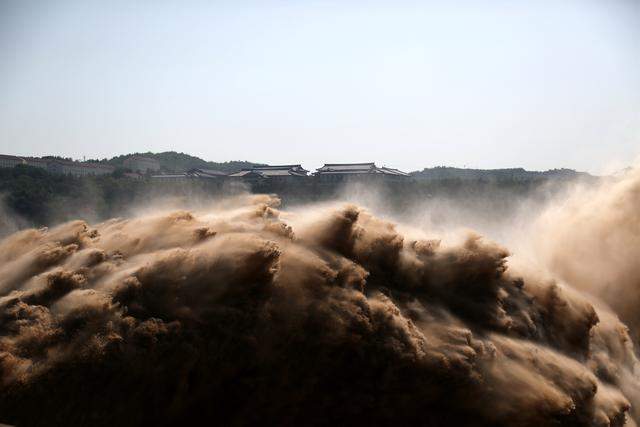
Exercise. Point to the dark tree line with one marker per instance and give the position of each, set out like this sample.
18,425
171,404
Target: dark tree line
41,198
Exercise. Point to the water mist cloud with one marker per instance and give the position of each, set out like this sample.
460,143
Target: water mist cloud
246,314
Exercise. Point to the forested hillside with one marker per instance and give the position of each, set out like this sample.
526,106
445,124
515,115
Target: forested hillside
518,174
171,161
33,197
38,197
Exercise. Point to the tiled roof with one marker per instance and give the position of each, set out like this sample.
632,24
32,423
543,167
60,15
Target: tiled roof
244,173
280,170
267,167
336,167
207,173
357,168
272,171
392,171
344,172
177,175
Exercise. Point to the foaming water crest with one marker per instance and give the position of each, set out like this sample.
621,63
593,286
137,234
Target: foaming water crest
246,314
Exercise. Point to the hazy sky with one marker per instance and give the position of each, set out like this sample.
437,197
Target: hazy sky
538,84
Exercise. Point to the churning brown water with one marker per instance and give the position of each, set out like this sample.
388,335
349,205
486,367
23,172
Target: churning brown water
249,315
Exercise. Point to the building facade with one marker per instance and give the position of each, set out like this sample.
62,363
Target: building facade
271,172
58,166
341,171
193,174
7,161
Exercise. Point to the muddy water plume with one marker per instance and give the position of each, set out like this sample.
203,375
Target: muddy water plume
329,315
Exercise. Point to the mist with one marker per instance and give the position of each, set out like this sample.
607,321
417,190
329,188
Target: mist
241,310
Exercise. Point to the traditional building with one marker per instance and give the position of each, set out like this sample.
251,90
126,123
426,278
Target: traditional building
341,171
193,174
271,172
206,173
142,164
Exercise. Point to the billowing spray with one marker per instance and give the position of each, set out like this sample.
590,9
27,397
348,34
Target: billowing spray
327,315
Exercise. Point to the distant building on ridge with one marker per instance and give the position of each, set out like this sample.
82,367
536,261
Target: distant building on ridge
340,171
277,172
7,161
57,165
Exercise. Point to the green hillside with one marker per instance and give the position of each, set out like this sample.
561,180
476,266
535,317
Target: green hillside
172,161
510,174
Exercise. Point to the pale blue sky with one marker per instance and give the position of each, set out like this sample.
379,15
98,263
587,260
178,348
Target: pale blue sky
481,83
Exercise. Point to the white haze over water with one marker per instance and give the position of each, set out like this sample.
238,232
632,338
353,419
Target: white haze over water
242,311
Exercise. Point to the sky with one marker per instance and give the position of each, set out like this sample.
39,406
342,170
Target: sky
470,83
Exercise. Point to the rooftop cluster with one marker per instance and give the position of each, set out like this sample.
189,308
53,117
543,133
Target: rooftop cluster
329,170
140,164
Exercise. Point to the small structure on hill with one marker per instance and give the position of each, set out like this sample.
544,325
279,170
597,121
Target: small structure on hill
206,173
340,171
7,161
193,174
57,165
271,172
